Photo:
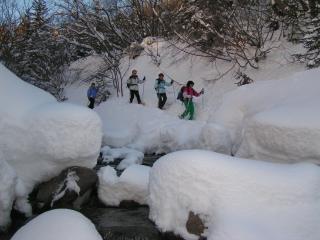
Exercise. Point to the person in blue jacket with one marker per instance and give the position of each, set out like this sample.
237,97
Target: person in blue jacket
92,94
160,87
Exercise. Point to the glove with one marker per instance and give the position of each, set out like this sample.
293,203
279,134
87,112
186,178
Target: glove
172,81
128,85
144,78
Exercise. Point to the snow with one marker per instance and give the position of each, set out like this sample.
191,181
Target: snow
58,224
129,156
275,120
8,179
236,198
131,185
40,137
151,130
222,112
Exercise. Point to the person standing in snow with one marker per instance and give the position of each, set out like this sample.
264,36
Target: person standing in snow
132,84
160,87
188,93
92,94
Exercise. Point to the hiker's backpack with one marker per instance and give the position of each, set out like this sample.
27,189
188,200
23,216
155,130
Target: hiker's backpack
180,94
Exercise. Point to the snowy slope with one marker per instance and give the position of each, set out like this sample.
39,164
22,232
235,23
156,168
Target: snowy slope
226,110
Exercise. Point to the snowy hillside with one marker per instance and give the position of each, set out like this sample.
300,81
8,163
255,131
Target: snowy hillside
254,121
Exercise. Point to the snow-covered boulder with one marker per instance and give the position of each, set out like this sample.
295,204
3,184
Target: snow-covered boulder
275,120
39,136
128,156
56,224
131,185
235,198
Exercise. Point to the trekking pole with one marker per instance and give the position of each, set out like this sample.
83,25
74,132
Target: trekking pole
202,99
143,87
174,93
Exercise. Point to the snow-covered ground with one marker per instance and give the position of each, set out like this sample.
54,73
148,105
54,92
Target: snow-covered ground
237,199
39,138
56,224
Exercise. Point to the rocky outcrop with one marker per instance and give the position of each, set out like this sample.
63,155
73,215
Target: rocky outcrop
70,189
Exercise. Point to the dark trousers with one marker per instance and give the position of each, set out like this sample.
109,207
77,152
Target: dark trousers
162,99
135,93
91,102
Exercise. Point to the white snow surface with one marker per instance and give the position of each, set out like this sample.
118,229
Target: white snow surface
62,224
130,156
40,137
275,120
131,185
151,130
8,181
236,198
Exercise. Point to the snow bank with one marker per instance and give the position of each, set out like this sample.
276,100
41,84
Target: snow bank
40,137
151,130
131,185
236,198
58,224
277,120
129,156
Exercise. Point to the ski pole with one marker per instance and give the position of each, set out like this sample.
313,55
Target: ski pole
174,93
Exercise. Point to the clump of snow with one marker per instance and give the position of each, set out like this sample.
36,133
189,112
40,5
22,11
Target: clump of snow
40,137
275,120
56,224
129,156
8,181
236,198
151,130
131,185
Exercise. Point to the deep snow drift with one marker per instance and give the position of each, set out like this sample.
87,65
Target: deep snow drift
62,224
40,137
236,198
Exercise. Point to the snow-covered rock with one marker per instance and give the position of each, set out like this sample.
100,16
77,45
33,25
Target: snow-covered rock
128,156
236,198
40,137
275,120
60,224
131,185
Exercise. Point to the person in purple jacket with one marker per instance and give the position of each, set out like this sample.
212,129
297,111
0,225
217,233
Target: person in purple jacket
92,94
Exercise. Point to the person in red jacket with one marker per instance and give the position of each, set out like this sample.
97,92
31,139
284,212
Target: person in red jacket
188,93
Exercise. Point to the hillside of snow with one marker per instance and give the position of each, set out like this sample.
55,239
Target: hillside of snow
274,118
